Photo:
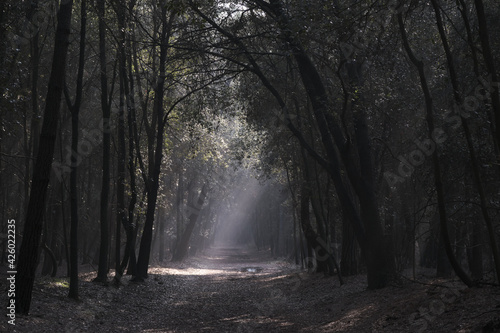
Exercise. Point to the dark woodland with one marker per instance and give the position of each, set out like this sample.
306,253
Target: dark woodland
250,166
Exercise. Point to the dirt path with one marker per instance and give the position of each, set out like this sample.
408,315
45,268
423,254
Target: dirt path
236,290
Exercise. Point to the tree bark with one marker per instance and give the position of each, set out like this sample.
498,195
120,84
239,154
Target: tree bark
102,272
156,156
472,152
28,254
194,212
443,221
124,100
367,227
132,134
75,111
490,65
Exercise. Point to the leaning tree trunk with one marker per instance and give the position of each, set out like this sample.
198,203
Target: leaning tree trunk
443,221
313,240
155,166
28,254
474,162
324,256
194,211
490,65
367,227
102,272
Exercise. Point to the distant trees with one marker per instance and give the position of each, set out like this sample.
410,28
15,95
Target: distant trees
264,37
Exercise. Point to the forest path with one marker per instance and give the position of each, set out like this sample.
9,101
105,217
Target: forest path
242,290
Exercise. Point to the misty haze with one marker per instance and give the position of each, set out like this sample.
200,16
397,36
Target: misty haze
250,166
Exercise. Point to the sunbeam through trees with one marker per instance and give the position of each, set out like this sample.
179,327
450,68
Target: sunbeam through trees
250,166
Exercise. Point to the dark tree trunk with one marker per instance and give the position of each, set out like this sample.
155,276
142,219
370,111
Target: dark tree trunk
161,250
64,227
349,257
194,211
324,257
319,245
458,100
155,166
443,221
28,254
476,240
490,65
53,261
131,228
32,147
102,272
367,227
75,111
178,207
443,268
124,94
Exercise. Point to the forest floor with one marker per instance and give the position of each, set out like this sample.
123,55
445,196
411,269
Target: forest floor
233,290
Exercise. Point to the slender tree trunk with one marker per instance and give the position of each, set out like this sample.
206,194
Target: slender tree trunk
31,144
75,155
476,240
28,254
435,158
64,225
367,227
102,272
132,123
178,207
349,256
325,259
124,100
490,65
318,244
194,211
155,166
472,152
161,250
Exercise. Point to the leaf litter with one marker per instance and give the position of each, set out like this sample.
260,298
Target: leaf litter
237,290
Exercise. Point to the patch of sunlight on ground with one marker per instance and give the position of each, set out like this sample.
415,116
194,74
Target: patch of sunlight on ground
192,271
262,320
58,283
350,319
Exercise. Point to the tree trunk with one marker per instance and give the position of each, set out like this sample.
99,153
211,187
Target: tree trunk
124,101
102,272
194,211
458,100
323,255
349,256
161,250
443,221
367,227
28,254
490,65
476,240
75,111
131,228
155,162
